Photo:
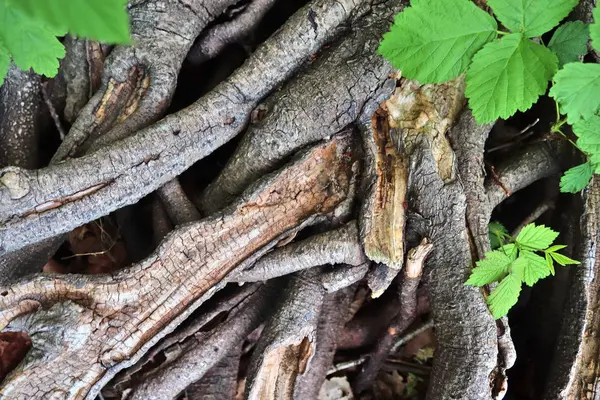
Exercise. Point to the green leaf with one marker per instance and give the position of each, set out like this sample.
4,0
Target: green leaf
504,296
576,178
563,260
588,133
555,248
510,250
536,237
508,75
30,43
549,263
496,233
576,89
595,29
569,42
531,17
434,41
530,267
102,20
491,269
4,63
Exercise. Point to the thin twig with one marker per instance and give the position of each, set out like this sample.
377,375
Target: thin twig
53,113
535,214
409,336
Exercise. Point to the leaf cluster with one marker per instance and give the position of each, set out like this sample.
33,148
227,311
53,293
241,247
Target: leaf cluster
525,259
435,41
29,30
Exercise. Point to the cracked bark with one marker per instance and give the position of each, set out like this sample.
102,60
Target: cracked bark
307,110
114,319
64,196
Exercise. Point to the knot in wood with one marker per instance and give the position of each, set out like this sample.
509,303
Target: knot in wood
15,181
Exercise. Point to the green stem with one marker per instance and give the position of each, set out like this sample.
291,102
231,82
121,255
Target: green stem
502,33
570,141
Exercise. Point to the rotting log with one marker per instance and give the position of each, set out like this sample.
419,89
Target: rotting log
114,319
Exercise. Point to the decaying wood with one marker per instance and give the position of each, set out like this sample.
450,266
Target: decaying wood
43,203
344,276
220,382
575,372
114,319
288,344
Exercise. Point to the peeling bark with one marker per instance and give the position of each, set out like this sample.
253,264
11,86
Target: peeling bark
114,319
35,205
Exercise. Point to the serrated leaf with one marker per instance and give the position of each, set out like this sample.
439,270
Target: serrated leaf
530,267
595,29
508,75
576,89
4,63
30,43
563,260
103,20
536,237
496,233
569,42
510,250
550,263
588,136
531,17
491,269
577,178
504,296
433,41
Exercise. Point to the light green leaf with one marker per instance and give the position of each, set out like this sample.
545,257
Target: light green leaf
434,41
508,75
103,20
496,233
563,260
550,263
532,17
555,248
510,250
595,29
576,89
569,42
4,63
30,43
576,178
530,267
491,269
536,237
588,133
504,296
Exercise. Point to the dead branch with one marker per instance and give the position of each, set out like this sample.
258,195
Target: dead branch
318,103
288,342
115,319
380,278
215,39
408,309
339,246
40,204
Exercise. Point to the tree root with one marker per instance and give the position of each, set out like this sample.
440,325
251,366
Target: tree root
36,205
307,110
206,350
114,319
215,39
288,342
339,246
406,315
